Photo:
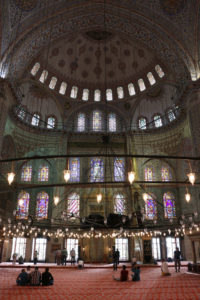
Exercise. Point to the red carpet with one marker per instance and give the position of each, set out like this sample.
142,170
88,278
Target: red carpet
98,284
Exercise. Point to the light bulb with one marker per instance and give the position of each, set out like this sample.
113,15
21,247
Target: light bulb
20,202
191,177
187,197
11,177
66,175
131,176
99,197
56,200
145,197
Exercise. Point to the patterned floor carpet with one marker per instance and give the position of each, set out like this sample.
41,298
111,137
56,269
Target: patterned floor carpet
98,284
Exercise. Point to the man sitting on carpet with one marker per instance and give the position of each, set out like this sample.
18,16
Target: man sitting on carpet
136,273
35,277
22,278
164,268
123,274
47,278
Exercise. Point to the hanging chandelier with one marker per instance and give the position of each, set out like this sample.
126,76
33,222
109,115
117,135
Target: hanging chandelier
191,177
10,177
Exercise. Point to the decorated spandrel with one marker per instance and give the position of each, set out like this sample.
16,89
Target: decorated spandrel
148,174
74,165
119,169
43,174
97,121
26,174
119,206
169,205
23,205
96,168
165,174
73,204
42,205
151,208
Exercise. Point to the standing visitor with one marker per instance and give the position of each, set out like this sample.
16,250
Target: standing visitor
72,254
117,256
177,259
64,256
35,257
114,261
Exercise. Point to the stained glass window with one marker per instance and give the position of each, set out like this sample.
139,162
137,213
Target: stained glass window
97,95
73,204
26,174
74,92
119,206
85,95
171,115
43,174
109,95
97,121
42,205
63,88
151,78
51,122
35,69
23,205
141,84
120,92
96,168
112,122
43,76
165,174
148,174
159,71
52,83
74,165
35,120
169,205
142,123
119,169
150,208
81,122
131,89
157,121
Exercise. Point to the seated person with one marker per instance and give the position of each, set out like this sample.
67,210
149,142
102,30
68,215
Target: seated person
35,277
47,278
123,274
134,266
136,273
164,268
28,271
22,278
80,263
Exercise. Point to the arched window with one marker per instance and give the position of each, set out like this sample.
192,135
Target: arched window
150,208
120,92
74,92
142,123
131,89
151,78
119,169
119,204
112,122
97,95
74,165
85,95
171,115
63,88
23,205
35,120
109,95
141,84
96,170
52,83
26,174
35,68
169,205
165,174
73,204
42,205
43,76
81,122
159,71
43,174
51,122
149,174
97,121
157,121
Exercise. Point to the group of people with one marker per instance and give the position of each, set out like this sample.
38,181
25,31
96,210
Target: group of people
34,278
124,273
61,257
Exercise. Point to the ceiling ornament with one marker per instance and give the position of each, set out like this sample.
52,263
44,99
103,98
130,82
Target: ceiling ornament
172,7
26,4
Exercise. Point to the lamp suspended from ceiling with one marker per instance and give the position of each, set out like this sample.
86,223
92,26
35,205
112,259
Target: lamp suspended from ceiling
10,177
191,177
